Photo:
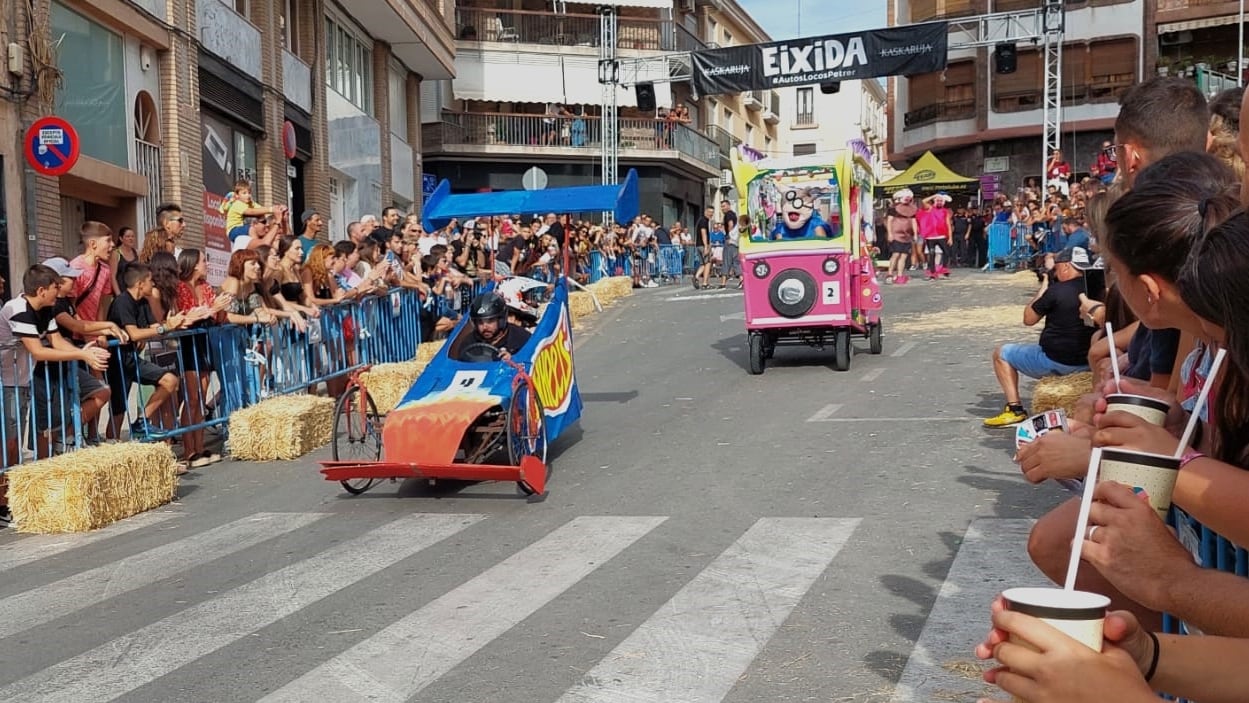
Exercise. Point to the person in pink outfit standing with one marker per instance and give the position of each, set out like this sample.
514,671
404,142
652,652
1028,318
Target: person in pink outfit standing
936,229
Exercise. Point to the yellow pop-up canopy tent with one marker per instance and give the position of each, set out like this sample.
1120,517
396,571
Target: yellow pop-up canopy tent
927,176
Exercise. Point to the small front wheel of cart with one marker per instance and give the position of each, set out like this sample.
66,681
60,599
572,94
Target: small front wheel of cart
756,350
875,345
769,345
526,428
841,347
357,434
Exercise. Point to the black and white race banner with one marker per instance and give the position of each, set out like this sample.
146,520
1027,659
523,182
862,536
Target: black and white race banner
896,51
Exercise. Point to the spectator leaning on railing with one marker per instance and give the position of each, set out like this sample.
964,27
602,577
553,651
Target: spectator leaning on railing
92,393
30,318
196,298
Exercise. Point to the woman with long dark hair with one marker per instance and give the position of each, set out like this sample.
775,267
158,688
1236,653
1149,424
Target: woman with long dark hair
196,298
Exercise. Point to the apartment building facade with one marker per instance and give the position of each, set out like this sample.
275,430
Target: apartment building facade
981,122
824,119
526,95
316,103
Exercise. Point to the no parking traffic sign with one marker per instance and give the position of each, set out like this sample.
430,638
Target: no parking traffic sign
52,146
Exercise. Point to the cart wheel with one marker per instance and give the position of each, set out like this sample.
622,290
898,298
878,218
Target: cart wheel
875,345
841,344
526,426
357,435
757,354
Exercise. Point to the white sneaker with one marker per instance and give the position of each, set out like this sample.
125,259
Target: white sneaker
650,284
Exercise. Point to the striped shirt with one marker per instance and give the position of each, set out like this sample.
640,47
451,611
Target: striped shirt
21,321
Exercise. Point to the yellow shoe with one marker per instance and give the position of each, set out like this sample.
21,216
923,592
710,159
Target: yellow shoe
1007,418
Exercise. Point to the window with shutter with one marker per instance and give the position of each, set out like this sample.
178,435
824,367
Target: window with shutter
1112,65
1021,90
1075,72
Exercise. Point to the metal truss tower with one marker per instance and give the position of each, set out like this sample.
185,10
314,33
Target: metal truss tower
609,77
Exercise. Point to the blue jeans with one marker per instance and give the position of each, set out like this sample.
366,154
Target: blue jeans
1031,361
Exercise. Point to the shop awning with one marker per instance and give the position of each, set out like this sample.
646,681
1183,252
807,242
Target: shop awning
524,77
653,4
1197,24
622,200
927,176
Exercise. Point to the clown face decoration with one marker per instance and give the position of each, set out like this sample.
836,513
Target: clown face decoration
797,206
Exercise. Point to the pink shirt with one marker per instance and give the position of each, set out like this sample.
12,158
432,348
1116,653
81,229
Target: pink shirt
100,280
932,223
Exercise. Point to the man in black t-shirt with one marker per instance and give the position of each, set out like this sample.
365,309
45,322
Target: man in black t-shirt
1064,344
130,311
702,241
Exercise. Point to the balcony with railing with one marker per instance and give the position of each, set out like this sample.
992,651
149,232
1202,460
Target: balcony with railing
772,108
506,134
753,100
687,40
724,141
229,35
296,81
560,29
939,112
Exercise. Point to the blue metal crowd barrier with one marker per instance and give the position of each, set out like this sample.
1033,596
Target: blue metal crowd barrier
671,261
603,265
1001,242
40,406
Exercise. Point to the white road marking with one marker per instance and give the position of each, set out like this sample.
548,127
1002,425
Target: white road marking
903,349
697,645
872,375
401,660
709,296
26,549
87,588
897,419
992,557
825,413
733,316
118,667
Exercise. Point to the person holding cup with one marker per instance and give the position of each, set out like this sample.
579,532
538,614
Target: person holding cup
1038,663
1148,236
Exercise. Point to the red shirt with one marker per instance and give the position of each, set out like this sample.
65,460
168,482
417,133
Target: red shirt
92,285
185,298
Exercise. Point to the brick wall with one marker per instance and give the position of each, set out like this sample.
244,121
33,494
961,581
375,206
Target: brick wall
271,160
181,133
381,112
414,138
310,20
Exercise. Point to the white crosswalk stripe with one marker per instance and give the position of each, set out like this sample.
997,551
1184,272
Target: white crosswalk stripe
992,557
29,548
126,663
699,643
88,588
404,658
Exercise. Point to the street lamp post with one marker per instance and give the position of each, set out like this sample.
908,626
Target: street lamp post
1240,46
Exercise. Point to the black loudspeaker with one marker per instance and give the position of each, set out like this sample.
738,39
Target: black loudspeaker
1005,58
830,88
646,97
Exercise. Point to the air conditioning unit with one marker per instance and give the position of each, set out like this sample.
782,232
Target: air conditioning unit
726,177
714,183
1175,38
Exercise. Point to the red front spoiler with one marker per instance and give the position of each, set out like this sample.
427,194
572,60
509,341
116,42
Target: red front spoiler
531,473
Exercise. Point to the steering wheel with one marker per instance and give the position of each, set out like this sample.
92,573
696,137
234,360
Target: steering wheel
480,351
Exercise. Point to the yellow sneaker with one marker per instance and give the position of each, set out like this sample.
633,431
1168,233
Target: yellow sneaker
1007,418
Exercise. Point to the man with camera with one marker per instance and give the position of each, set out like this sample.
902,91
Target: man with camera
1064,343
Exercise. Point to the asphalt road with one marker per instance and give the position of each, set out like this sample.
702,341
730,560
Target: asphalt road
804,535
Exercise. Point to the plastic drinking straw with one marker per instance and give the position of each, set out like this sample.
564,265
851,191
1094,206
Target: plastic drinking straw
1201,402
1114,357
1082,522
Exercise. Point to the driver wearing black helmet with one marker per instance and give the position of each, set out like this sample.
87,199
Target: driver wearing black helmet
490,327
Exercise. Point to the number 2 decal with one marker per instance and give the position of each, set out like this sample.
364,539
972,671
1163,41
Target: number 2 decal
832,293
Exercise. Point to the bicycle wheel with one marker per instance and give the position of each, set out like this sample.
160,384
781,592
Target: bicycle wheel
357,435
526,428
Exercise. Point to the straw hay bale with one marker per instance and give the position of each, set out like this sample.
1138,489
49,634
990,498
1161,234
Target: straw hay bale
609,290
580,304
427,351
285,427
1053,392
388,383
90,488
